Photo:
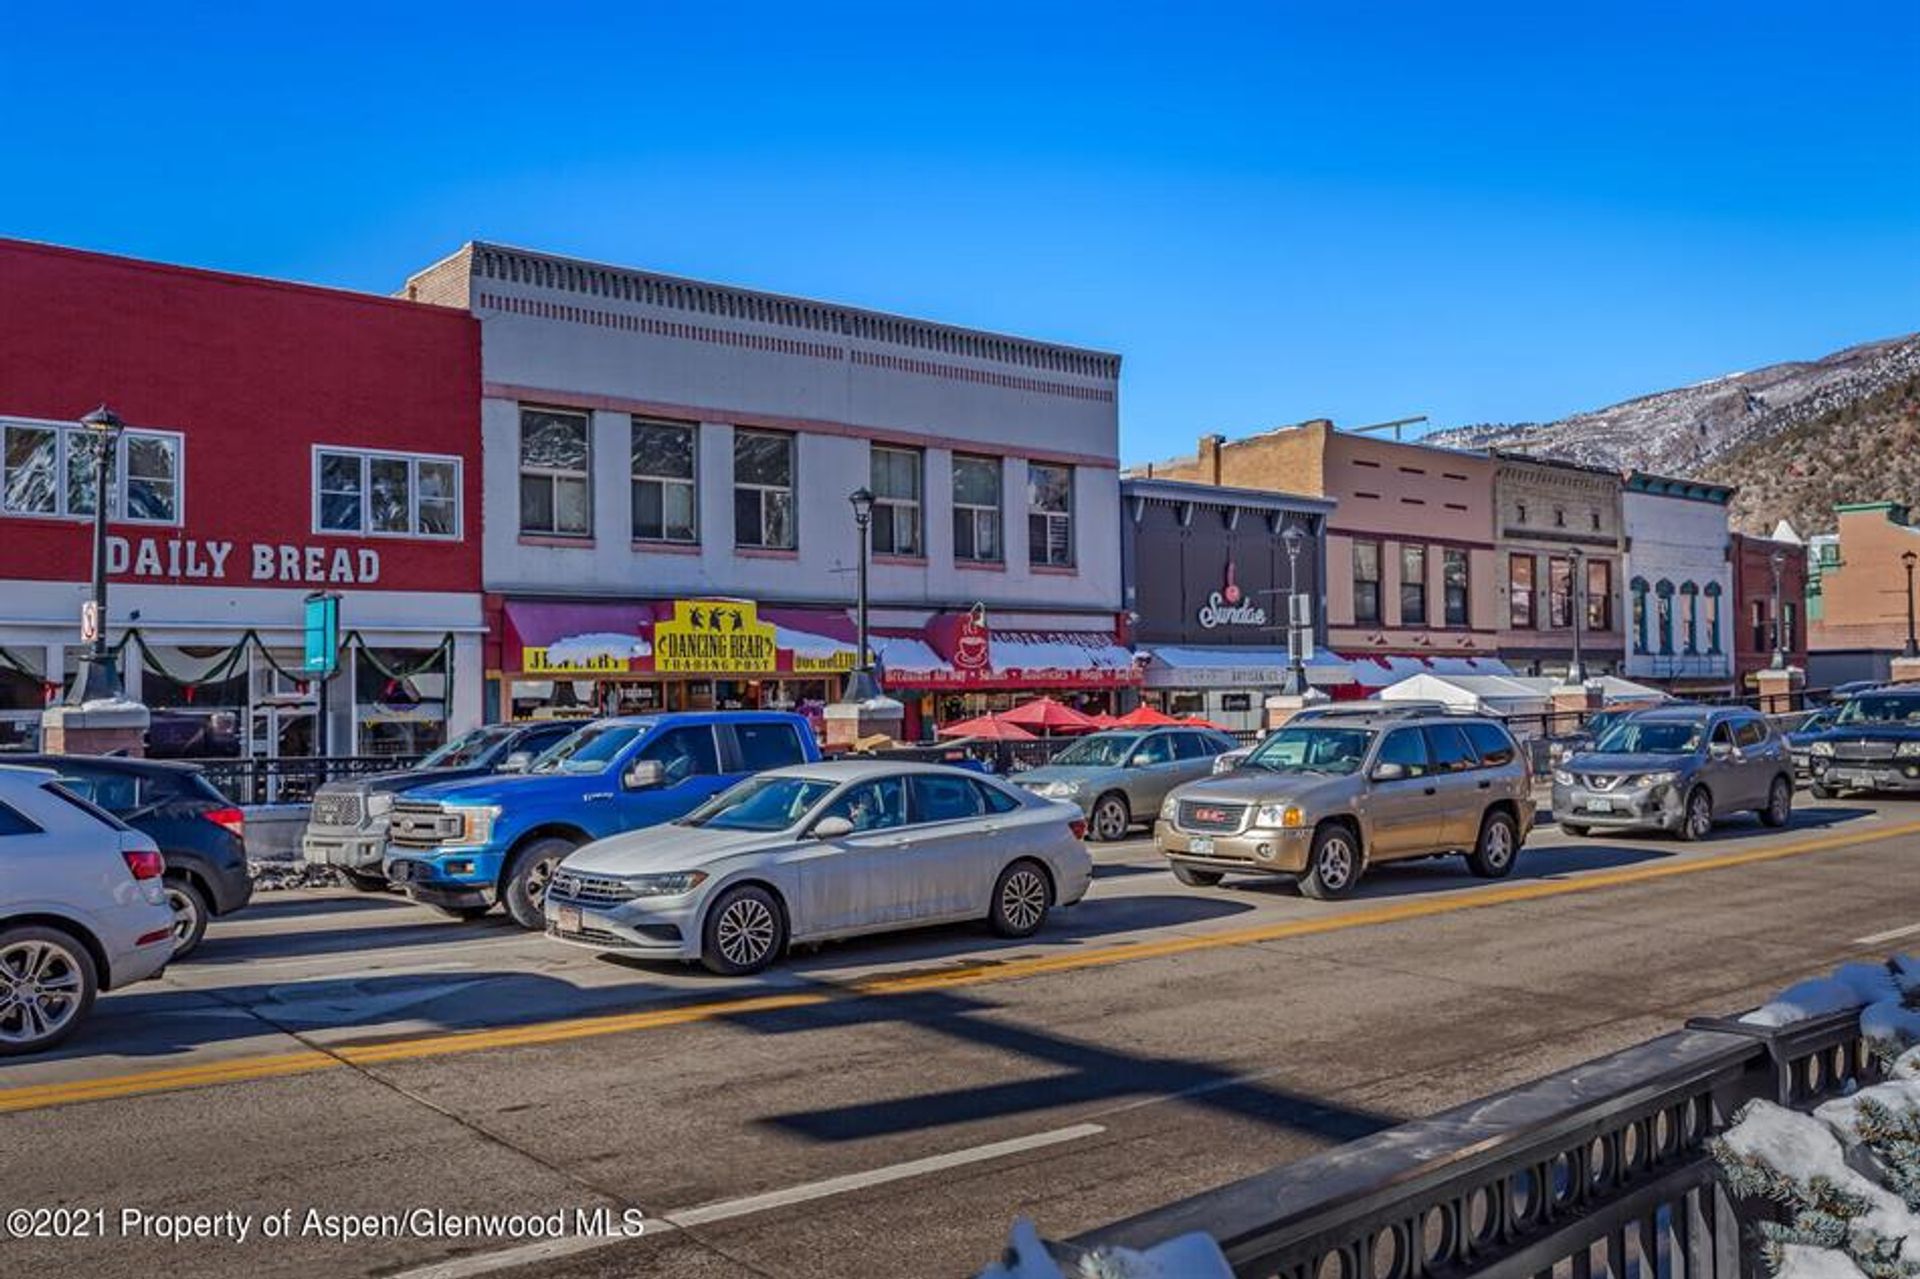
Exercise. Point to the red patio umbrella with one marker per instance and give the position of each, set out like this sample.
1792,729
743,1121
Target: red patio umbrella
1144,716
1048,716
1201,721
1103,720
986,726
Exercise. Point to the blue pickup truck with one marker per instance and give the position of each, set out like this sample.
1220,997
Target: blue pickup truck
462,846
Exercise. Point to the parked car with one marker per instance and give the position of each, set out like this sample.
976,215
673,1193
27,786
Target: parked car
200,832
820,851
1121,776
81,909
1874,745
347,826
1370,707
1583,738
1800,738
1677,769
1326,799
462,846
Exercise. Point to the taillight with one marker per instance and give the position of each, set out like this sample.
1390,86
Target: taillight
144,863
1079,827
233,820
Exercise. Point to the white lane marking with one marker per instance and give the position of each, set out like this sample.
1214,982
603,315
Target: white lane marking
726,1209
1889,935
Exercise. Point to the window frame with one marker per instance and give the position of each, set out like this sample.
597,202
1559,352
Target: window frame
1560,604
63,454
1462,618
635,478
1522,613
974,511
1602,597
1371,616
1038,555
791,488
553,475
887,508
366,458
1414,551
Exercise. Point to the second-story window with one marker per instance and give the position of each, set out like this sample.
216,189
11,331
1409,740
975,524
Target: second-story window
976,509
1049,514
1366,583
1520,592
556,476
763,489
143,473
1455,583
896,501
390,494
663,482
1413,584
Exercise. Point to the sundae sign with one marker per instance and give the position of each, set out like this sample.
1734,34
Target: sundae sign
1229,607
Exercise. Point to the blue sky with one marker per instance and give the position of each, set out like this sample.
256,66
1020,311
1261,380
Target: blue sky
1277,211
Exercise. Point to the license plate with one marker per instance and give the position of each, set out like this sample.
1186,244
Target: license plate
569,919
1599,806
1200,845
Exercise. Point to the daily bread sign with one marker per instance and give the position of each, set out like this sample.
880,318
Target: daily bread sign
186,559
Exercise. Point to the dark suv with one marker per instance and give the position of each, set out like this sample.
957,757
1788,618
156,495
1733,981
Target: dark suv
200,832
1874,745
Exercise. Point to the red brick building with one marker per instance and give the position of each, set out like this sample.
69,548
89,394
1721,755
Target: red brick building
281,439
1755,610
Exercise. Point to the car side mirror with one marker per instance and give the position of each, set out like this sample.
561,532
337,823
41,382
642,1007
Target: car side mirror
516,762
1389,772
832,828
1720,750
643,774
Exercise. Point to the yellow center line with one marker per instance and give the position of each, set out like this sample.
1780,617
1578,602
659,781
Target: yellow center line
238,1070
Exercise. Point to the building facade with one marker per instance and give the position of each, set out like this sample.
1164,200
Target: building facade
1859,593
281,440
1769,600
667,457
1558,544
1208,584
1679,568
1411,576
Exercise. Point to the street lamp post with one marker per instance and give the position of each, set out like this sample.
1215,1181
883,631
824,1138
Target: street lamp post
1777,561
1576,669
861,685
100,678
1913,646
1296,685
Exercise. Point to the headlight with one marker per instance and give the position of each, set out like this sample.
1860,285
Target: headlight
1908,749
378,803
1279,815
1822,749
476,823
1057,790
1657,779
672,884
1562,776
1168,807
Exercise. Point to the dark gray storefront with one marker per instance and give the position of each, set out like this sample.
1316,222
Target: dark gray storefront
1206,578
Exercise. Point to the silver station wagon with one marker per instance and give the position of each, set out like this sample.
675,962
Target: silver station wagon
1121,777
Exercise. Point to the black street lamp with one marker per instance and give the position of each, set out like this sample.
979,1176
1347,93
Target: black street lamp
1777,561
1576,669
100,677
1296,685
1913,647
861,685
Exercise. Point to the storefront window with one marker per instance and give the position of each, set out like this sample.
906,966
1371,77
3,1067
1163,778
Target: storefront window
664,509
1049,514
400,705
763,489
1413,585
198,698
896,501
555,473
976,509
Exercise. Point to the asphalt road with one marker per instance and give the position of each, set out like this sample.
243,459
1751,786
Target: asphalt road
883,1106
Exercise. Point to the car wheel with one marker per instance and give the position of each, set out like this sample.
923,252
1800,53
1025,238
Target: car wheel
1576,830
366,881
1494,852
1021,898
1110,819
1822,792
47,984
528,875
190,913
1779,809
1194,877
1696,820
745,931
1333,865
463,912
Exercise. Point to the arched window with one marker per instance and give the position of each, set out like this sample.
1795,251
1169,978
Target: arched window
1638,588
1663,613
1713,617
1690,595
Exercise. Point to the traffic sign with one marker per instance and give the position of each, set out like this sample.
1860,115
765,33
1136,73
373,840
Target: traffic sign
89,622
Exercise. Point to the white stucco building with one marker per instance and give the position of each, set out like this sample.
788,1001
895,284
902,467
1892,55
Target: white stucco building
1679,577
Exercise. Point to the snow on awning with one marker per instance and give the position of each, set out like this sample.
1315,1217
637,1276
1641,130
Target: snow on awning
1378,670
1180,666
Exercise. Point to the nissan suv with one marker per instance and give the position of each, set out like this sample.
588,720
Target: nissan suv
1324,800
1676,769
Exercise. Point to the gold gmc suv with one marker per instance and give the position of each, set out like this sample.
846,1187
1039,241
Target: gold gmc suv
1325,799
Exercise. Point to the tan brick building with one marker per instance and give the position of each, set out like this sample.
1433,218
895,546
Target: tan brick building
1857,598
1560,542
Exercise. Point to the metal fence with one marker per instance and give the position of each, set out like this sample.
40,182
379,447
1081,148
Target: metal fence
1603,1168
293,780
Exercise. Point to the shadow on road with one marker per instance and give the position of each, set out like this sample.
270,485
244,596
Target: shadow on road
241,948
279,905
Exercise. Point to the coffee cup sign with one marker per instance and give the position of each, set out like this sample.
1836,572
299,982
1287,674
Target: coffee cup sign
187,559
973,642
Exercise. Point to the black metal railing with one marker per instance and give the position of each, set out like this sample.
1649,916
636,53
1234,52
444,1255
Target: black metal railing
1601,1168
293,780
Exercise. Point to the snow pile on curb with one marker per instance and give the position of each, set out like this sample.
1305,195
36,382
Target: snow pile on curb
1847,1177
1194,1256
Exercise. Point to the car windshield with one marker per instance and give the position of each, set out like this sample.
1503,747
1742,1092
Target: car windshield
1881,708
591,750
1313,748
1653,737
1102,750
760,803
468,748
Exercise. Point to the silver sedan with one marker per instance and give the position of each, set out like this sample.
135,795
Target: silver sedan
820,851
